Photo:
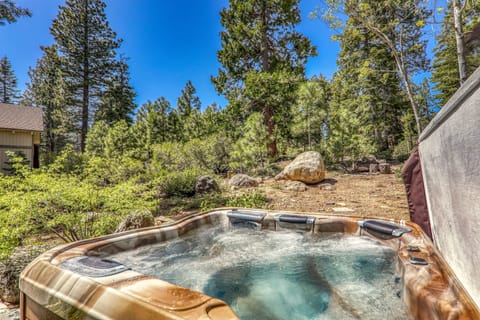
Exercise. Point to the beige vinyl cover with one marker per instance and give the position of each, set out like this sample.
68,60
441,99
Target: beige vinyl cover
450,156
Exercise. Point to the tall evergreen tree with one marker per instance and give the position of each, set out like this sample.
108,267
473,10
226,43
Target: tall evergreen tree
117,102
188,102
9,12
367,87
259,41
188,114
87,44
8,82
153,122
310,113
348,134
47,89
445,73
395,25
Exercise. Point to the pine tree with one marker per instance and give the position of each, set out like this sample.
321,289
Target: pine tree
189,114
9,12
349,134
310,113
367,86
445,73
47,89
87,45
153,123
249,151
8,82
188,102
117,102
396,27
260,42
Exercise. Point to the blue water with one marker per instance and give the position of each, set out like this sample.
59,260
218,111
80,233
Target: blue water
279,275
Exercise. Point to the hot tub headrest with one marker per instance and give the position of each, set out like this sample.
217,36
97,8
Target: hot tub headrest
384,227
294,218
93,266
244,215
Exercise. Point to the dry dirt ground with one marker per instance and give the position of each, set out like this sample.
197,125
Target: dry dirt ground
379,195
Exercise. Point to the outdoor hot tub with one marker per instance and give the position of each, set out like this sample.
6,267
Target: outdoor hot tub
248,264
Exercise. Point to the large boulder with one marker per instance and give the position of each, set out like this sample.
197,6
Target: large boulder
242,180
136,220
206,184
307,167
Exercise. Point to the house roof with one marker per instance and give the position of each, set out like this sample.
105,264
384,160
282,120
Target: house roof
16,117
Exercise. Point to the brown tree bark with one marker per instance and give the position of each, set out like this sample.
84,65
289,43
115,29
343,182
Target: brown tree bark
268,110
85,86
460,40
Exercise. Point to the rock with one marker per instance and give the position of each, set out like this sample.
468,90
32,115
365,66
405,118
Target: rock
327,186
362,169
373,168
342,209
136,220
296,186
206,184
11,267
384,168
7,313
242,180
307,167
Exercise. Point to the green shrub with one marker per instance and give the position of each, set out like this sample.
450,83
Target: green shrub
386,154
17,163
70,206
252,199
270,170
249,151
179,183
168,156
401,152
211,153
212,201
68,161
106,171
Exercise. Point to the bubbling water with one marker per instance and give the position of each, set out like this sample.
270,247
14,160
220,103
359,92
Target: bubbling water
279,274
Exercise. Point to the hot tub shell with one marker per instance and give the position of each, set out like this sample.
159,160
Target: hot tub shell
50,291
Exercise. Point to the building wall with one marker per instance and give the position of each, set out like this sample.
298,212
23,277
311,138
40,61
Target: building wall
16,141
450,156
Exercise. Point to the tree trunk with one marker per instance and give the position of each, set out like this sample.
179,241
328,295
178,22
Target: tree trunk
85,84
267,110
83,135
459,38
271,142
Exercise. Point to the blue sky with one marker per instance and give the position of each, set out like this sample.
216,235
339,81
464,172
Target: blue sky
168,43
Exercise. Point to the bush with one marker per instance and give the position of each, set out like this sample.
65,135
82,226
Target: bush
17,163
252,199
72,207
401,152
211,153
212,201
106,171
179,183
386,154
68,161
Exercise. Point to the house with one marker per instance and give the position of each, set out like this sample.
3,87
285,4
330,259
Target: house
20,129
